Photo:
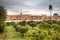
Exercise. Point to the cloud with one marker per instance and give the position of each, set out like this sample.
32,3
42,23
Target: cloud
30,5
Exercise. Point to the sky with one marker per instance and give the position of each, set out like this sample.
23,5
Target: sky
34,7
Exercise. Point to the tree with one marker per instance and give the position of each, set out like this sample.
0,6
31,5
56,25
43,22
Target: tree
2,13
56,16
22,30
2,18
44,25
1,28
50,8
56,27
32,23
22,23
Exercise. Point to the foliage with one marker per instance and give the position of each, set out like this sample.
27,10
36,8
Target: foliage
45,30
15,25
10,23
22,30
1,28
32,23
22,23
2,18
2,13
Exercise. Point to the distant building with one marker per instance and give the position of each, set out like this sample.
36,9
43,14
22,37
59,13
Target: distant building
30,17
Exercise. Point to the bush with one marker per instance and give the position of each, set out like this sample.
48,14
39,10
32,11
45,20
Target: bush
46,30
12,23
56,27
44,25
23,23
49,22
8,23
32,23
22,30
15,25
1,28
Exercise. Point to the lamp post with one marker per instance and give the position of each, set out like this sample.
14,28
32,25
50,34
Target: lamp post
50,8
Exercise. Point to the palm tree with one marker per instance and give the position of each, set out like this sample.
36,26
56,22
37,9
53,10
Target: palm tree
50,8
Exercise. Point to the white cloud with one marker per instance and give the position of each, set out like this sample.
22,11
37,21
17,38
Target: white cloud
12,13
16,6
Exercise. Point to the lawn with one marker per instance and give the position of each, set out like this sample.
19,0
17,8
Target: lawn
11,34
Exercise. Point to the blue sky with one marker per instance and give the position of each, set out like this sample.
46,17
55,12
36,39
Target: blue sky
38,7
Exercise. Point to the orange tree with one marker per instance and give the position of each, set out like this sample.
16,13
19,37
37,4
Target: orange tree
22,30
32,23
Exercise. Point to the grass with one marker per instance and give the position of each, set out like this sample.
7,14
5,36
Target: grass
11,34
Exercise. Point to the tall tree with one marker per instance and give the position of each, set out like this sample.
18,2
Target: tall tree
2,18
50,8
2,13
56,16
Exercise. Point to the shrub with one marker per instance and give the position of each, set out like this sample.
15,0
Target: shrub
23,23
12,23
15,25
58,22
1,28
49,22
32,23
22,30
56,27
8,23
44,25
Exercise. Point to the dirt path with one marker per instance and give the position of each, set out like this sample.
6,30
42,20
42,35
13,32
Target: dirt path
2,36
